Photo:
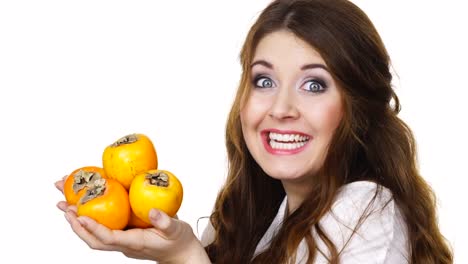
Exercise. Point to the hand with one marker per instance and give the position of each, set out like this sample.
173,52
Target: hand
62,205
169,241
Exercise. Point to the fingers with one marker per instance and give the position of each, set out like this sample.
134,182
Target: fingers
103,234
103,238
59,184
78,227
167,226
62,205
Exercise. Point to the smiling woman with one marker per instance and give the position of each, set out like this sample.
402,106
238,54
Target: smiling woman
291,112
293,108
321,168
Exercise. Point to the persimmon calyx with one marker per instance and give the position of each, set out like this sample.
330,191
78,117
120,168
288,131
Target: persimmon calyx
95,189
158,178
128,139
83,179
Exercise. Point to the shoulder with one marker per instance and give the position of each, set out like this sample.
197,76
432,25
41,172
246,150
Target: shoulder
365,223
361,196
361,202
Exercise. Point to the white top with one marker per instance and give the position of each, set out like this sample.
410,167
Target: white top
381,238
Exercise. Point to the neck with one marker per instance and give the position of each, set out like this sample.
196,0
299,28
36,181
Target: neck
297,192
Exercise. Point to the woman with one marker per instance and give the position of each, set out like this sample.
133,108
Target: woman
321,169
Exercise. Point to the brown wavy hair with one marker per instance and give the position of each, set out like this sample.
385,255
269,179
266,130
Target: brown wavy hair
371,143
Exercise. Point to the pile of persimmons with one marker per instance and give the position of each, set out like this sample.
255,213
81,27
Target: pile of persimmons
120,193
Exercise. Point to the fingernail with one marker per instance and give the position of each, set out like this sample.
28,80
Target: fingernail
154,214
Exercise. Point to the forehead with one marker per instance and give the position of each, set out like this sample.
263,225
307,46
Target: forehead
285,48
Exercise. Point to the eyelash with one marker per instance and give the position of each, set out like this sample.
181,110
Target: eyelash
318,81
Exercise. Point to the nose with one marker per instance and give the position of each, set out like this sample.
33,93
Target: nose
284,106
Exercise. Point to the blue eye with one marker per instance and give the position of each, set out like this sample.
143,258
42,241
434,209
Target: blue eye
315,86
262,82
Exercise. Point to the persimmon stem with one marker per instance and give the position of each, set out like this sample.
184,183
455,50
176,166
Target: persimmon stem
83,179
128,139
96,189
158,178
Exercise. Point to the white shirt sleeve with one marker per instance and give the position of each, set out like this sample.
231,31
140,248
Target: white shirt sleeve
208,234
380,238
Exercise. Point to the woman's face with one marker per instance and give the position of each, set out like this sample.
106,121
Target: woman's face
293,108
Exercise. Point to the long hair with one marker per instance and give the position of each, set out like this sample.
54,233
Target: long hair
371,143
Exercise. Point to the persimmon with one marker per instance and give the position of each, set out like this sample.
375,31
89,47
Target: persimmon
158,189
129,156
106,201
77,181
136,222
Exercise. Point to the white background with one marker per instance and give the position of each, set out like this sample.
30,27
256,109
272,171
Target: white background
77,75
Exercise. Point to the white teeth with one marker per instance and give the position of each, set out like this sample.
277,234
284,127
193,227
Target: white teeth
287,141
287,137
287,146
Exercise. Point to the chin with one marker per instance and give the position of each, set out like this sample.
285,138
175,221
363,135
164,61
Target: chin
290,172
281,174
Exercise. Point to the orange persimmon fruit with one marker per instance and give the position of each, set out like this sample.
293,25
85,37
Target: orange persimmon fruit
106,201
128,157
76,182
158,189
136,222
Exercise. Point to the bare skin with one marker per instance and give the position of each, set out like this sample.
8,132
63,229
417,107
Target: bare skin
170,240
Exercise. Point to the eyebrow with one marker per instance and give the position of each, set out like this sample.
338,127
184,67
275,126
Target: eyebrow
304,67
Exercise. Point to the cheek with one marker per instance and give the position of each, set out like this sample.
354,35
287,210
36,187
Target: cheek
334,114
253,112
327,117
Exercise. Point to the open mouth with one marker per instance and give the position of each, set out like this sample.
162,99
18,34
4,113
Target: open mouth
290,142
287,141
